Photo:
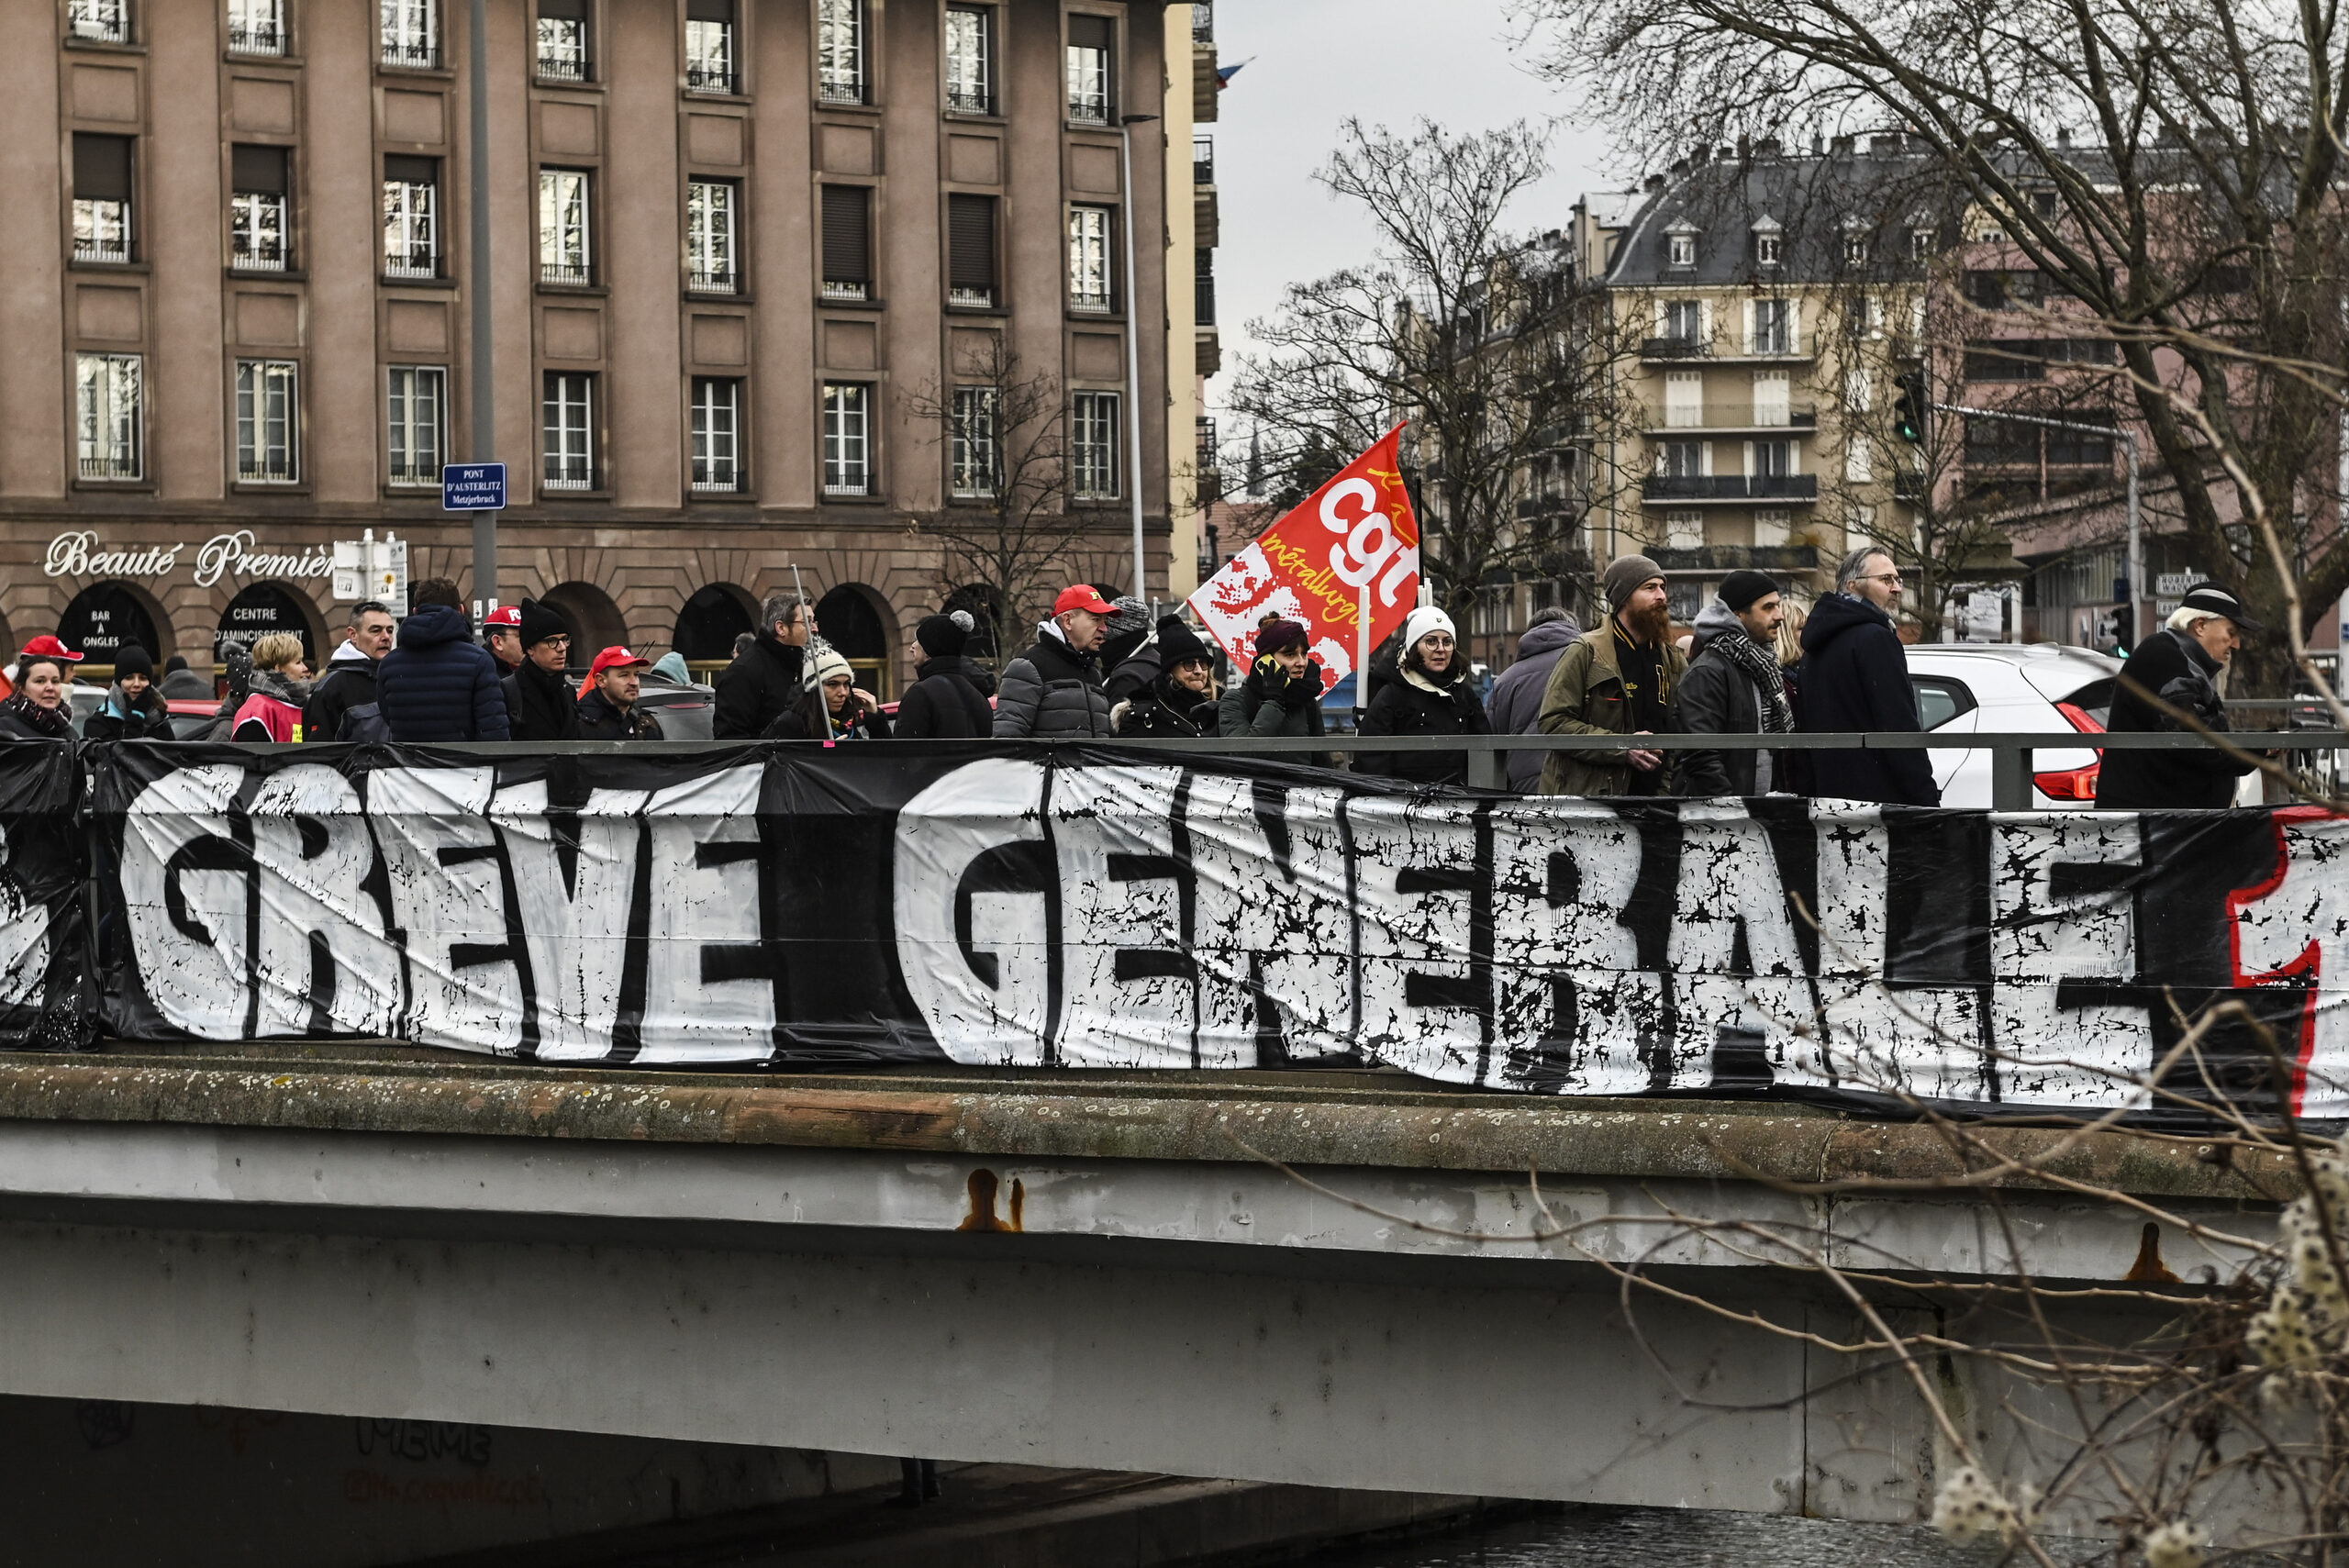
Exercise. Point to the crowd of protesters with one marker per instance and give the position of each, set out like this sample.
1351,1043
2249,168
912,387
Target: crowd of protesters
1753,663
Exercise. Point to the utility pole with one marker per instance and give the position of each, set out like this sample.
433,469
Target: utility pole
2127,440
484,395
1125,124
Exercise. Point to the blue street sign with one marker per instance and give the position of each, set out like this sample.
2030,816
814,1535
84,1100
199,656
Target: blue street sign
473,487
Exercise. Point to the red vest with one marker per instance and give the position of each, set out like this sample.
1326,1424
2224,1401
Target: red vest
279,717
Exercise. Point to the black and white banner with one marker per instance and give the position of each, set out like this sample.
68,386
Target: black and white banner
993,904
48,999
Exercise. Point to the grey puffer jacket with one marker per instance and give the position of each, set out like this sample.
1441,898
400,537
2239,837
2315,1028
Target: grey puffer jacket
1051,692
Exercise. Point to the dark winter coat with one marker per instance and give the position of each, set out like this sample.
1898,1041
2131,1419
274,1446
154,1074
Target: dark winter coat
1269,704
1855,681
802,720
349,683
1167,712
599,719
1405,708
540,705
2174,667
187,685
1132,674
945,703
438,685
20,720
758,689
1715,697
1515,707
123,720
1051,692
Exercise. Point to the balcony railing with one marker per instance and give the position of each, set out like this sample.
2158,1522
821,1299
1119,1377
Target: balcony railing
845,288
971,298
256,38
970,101
267,261
416,262
840,90
570,67
712,280
1780,346
567,473
410,475
411,54
121,467
100,21
704,77
1731,487
721,481
1089,304
108,248
562,272
848,487
1732,416
265,471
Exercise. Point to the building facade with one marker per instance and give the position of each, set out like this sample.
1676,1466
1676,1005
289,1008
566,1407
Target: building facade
744,255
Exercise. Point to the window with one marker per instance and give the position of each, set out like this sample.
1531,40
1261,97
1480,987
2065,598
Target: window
709,46
101,197
1684,399
1681,460
1859,389
1773,327
569,432
1773,392
1093,447
260,235
411,32
848,242
1999,443
1088,258
717,423
839,50
1766,245
109,396
1921,243
1684,530
1859,459
969,250
970,58
1684,321
1203,287
976,456
562,42
2078,448
1771,529
2003,289
710,222
257,27
848,449
107,21
1090,40
1770,459
266,416
414,397
411,216
1681,246
1855,246
562,226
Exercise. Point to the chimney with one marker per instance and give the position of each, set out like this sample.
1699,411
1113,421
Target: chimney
1818,143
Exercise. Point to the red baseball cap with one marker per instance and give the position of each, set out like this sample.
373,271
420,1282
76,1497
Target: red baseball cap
50,647
504,614
617,658
1083,596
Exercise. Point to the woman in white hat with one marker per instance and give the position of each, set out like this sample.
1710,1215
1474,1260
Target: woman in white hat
1433,695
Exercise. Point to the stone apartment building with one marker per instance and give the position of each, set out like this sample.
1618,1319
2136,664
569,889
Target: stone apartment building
734,244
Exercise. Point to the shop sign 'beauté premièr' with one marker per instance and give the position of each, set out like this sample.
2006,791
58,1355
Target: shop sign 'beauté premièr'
223,555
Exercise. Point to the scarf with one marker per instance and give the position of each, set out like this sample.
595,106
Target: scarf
1759,665
57,723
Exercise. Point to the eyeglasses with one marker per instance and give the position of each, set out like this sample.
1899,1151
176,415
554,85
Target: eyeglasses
1891,577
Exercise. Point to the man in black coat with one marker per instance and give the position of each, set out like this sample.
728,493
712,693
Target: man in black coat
1733,687
538,700
2181,664
944,703
753,691
438,685
1855,681
350,672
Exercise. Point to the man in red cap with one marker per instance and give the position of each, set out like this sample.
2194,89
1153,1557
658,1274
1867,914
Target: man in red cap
1054,691
607,709
502,631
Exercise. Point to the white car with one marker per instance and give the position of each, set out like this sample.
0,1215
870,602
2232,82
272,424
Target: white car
1993,688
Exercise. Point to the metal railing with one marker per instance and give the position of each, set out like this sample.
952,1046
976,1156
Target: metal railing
1731,487
565,67
411,54
256,38
710,78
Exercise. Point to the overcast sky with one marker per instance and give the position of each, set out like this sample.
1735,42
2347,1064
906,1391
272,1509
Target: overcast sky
1381,61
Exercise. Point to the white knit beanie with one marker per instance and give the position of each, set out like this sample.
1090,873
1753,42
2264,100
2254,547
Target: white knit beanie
1423,620
823,663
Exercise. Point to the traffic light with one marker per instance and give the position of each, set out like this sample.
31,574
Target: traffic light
2117,630
1909,409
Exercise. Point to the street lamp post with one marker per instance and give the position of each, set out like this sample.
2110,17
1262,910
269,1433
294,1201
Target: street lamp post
1133,340
484,396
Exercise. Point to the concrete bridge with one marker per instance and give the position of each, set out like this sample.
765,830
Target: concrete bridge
1309,1277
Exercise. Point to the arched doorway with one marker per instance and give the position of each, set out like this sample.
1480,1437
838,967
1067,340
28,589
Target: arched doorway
105,616
261,610
595,621
850,619
709,623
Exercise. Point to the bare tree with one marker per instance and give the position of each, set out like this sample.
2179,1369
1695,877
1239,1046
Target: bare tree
1477,337
2197,219
1016,520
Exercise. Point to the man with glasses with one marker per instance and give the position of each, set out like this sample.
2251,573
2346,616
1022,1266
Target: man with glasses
1855,680
539,698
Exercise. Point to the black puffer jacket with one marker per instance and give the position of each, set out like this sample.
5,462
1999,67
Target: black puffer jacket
1403,707
600,720
2175,667
124,719
756,689
1051,692
436,685
541,705
1167,712
1855,681
945,703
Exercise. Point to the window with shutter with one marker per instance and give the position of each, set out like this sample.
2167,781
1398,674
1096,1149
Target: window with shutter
848,242
1091,42
1772,390
1684,399
970,246
411,216
709,46
258,227
562,42
101,197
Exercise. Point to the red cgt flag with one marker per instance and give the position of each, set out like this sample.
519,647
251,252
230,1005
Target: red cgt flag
1346,563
